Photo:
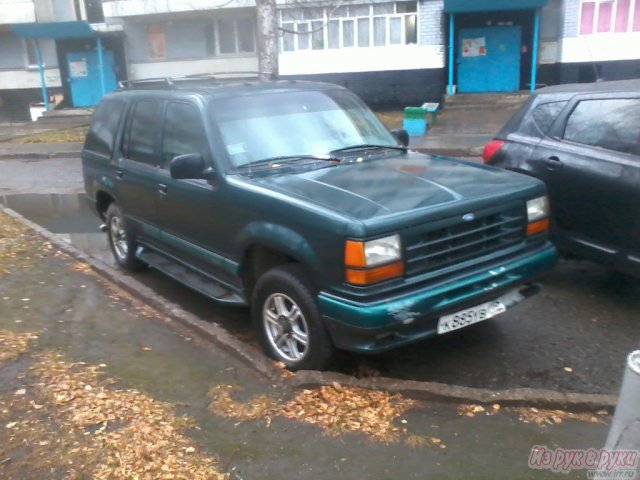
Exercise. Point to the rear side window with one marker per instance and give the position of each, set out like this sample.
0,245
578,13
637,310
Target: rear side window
183,132
613,124
545,114
104,127
516,120
142,131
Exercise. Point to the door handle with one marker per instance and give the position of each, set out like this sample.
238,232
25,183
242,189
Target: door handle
553,162
162,189
119,174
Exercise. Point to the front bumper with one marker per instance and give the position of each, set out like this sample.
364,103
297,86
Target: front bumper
392,322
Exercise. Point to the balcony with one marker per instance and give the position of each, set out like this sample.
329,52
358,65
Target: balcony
17,11
129,8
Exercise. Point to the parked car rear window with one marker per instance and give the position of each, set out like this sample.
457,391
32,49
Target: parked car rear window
183,132
609,123
140,140
545,114
104,127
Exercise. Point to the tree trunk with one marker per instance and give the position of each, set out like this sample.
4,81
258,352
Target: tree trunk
267,39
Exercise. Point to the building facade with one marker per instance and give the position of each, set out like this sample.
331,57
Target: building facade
389,52
56,50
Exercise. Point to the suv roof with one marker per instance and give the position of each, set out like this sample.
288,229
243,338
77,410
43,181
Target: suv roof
211,87
597,87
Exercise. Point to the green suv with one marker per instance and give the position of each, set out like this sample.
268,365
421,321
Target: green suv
291,197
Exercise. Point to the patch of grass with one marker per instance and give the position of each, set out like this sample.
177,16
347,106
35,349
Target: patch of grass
64,135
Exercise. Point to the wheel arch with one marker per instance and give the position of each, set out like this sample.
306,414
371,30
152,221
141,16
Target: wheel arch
266,246
103,200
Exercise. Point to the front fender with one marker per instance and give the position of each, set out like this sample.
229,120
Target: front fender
284,240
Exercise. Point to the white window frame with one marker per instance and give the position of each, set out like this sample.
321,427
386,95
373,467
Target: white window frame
236,38
614,13
292,24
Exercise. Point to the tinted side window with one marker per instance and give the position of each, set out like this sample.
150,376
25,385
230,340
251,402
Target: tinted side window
143,128
183,132
545,114
104,127
613,124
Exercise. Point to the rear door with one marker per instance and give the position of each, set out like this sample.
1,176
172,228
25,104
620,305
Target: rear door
590,162
137,170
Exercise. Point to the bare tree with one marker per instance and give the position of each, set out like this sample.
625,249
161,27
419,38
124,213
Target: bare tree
267,14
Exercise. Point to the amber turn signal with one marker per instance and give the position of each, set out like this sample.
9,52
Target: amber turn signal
374,275
354,254
538,227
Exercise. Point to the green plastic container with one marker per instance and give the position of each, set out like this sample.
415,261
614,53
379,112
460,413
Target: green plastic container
415,121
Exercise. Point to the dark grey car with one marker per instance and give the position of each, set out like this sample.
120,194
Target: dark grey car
583,141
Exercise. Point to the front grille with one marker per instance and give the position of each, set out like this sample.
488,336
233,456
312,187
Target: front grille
454,242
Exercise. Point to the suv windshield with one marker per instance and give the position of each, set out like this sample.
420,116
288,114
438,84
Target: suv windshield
287,124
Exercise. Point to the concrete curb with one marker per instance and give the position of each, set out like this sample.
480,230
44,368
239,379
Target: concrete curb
310,379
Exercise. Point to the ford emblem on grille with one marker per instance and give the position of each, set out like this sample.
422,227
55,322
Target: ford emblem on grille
469,217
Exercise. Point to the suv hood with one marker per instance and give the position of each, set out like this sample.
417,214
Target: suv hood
400,183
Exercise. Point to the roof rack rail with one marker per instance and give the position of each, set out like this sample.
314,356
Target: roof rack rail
170,82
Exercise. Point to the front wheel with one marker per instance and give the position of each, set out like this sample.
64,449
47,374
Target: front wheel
287,320
123,247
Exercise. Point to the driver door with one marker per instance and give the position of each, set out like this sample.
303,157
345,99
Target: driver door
191,212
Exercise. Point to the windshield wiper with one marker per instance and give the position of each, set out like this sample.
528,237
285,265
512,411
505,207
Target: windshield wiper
368,146
289,158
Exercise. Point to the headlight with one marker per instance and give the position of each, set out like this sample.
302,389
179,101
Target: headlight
537,209
373,261
382,250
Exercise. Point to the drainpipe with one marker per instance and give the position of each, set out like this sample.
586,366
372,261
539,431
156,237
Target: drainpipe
534,49
45,96
451,52
100,65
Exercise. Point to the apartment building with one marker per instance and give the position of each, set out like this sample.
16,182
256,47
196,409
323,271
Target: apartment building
390,52
56,49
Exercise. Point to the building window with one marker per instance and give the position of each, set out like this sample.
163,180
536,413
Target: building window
30,54
231,36
607,16
157,41
374,25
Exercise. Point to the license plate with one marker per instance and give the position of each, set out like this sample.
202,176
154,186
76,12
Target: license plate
467,317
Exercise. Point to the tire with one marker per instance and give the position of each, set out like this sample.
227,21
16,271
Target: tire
285,315
121,241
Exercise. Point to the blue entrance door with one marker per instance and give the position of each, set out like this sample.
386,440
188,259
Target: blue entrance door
489,59
84,77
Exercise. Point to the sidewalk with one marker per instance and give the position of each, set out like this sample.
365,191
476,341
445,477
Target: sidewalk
463,132
94,349
10,151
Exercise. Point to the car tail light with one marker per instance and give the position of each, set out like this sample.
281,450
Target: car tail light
490,149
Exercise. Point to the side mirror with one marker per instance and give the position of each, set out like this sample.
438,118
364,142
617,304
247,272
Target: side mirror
401,136
190,166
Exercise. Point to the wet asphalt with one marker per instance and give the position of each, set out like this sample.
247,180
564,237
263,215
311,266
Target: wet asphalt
573,336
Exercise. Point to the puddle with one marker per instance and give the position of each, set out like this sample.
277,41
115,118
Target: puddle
70,217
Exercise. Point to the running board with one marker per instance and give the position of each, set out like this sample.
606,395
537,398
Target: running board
190,277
